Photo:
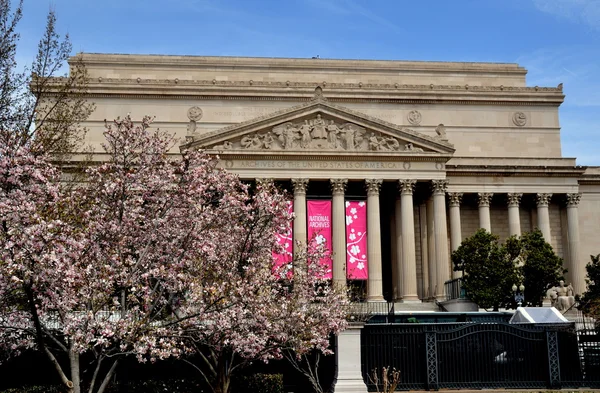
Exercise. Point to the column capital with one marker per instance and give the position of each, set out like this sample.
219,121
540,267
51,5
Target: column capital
338,186
484,198
514,199
263,181
407,186
373,186
542,199
573,199
455,198
300,186
439,186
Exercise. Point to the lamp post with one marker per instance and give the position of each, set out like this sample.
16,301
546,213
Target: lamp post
519,293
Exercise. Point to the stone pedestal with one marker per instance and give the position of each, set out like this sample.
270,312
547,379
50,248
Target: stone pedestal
349,375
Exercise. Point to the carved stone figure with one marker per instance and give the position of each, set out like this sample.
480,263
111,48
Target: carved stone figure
440,130
332,133
561,297
251,141
411,147
268,140
318,128
225,146
375,143
305,137
391,144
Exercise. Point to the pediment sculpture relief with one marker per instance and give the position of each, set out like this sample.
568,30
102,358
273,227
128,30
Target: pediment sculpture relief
319,134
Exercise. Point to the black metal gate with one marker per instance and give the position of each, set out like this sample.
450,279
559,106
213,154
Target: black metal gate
476,356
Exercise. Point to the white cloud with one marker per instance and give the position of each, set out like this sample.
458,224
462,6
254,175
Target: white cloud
578,11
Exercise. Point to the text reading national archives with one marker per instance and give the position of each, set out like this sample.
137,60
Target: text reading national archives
430,151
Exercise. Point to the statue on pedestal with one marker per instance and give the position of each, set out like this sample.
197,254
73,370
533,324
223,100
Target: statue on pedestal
562,297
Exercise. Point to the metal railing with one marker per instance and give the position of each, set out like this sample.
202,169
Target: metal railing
478,356
453,289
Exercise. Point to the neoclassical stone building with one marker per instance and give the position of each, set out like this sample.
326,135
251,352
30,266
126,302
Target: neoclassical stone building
436,150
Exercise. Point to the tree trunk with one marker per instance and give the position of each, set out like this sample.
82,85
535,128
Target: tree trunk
74,363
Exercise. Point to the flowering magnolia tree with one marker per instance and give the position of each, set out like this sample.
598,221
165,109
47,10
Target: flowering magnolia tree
152,256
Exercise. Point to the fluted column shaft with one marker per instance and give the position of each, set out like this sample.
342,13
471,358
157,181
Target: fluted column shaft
543,216
338,187
455,227
398,271
484,199
375,282
576,267
431,257
409,259
300,186
514,220
441,235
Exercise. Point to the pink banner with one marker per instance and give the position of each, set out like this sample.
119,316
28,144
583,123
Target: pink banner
286,241
356,240
319,229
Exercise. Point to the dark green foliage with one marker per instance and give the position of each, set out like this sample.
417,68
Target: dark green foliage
542,268
492,268
488,271
261,383
590,300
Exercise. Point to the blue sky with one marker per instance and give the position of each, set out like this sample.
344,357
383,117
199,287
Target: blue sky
556,40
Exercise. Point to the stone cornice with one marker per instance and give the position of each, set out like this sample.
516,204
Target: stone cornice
515,171
337,92
261,63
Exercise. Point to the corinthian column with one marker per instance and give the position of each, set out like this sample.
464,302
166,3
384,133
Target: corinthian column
375,282
543,217
576,268
338,187
484,199
514,220
409,260
441,235
299,213
455,229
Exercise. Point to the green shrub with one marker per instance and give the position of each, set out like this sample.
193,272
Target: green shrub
261,383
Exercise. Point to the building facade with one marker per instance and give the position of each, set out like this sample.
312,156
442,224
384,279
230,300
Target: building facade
435,150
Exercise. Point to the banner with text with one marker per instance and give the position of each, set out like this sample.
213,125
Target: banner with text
319,229
356,240
286,241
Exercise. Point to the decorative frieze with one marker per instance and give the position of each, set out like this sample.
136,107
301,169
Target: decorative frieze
300,186
573,199
407,186
455,198
543,199
373,186
319,134
439,187
484,199
338,186
514,199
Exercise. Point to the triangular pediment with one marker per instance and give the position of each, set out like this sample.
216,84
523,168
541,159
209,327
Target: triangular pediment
319,127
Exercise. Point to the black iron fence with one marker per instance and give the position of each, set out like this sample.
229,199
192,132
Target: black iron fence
478,356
